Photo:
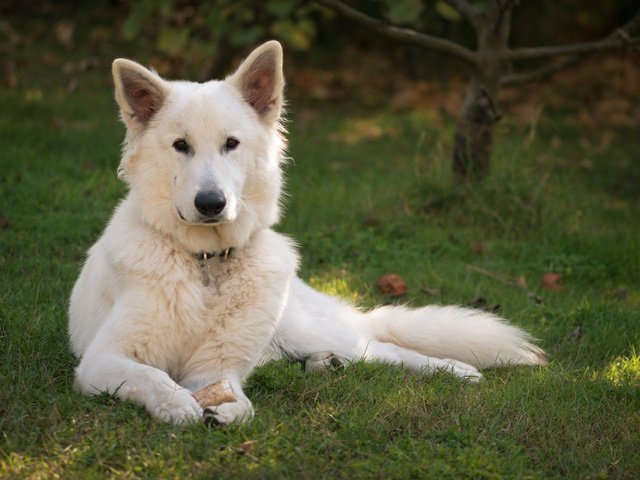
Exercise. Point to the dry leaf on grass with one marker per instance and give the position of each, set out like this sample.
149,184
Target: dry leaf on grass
552,282
577,333
245,448
477,247
480,303
434,292
391,285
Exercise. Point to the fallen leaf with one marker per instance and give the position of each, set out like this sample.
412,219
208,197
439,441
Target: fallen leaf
585,143
9,77
536,298
552,282
359,131
4,222
521,282
480,303
245,448
435,292
371,221
391,285
621,294
64,32
577,333
477,247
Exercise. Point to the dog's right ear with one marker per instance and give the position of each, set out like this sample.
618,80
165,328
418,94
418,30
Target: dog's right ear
139,92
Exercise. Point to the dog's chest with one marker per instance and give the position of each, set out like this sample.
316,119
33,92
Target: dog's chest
201,312
205,296
179,315
231,314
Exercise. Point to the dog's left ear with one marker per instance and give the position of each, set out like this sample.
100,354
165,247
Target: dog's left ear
261,82
139,92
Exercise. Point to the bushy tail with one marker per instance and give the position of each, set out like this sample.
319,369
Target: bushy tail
471,336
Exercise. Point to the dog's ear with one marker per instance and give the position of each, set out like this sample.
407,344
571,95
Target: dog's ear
139,92
261,82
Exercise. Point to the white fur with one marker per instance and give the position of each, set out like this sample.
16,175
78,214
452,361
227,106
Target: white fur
141,319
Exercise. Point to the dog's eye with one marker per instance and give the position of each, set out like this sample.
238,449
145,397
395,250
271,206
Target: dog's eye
231,144
181,146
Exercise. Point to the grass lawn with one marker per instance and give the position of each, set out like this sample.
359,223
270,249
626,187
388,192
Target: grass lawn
369,195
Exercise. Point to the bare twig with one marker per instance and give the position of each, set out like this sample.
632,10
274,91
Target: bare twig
470,12
578,52
519,282
541,73
610,43
551,69
503,8
632,25
497,276
618,39
403,34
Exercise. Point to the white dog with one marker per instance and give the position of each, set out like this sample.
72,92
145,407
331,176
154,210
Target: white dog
189,285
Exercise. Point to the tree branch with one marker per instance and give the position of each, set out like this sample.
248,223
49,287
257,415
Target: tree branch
548,70
540,73
617,39
499,10
610,43
403,34
468,11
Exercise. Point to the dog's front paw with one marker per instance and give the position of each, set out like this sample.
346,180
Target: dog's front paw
240,411
179,407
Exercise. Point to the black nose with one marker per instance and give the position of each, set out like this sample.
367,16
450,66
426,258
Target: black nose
210,203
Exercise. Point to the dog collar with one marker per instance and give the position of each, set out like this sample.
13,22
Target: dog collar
203,259
222,254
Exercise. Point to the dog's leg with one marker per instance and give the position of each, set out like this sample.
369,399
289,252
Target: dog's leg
120,358
375,351
104,371
231,360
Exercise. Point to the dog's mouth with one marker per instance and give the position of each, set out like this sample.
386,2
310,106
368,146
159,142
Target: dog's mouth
201,221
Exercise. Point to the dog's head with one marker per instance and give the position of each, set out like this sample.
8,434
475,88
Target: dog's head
203,159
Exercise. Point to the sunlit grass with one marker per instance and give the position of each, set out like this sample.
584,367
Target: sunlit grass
43,467
624,369
341,286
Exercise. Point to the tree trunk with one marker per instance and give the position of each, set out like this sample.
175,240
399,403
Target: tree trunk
474,132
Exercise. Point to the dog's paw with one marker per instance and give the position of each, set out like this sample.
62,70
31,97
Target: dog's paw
179,407
461,370
240,411
321,361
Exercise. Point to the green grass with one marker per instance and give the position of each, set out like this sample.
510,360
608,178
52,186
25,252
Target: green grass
369,194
